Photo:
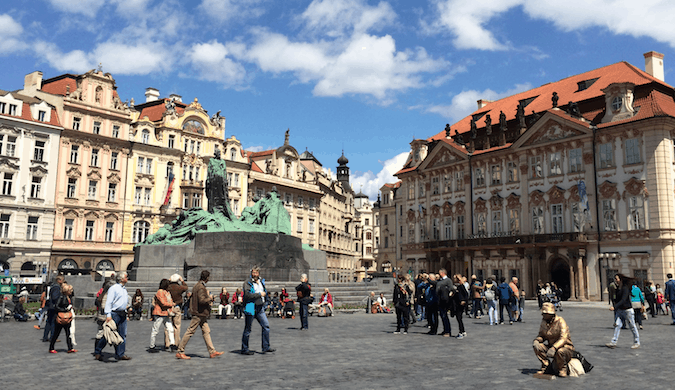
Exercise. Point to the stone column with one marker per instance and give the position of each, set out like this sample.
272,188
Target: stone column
580,273
573,289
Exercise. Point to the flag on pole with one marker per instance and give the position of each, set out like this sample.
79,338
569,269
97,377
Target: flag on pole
169,190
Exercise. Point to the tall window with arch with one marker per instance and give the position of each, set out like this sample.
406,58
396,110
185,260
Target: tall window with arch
141,231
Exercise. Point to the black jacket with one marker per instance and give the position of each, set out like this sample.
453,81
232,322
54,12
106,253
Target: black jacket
443,289
623,298
63,304
304,291
402,296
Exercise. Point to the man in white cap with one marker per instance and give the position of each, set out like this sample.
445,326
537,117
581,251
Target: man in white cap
553,341
177,288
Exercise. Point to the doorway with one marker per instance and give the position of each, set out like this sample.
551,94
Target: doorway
560,275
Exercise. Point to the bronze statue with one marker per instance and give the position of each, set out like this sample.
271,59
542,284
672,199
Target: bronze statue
573,109
553,342
488,124
554,99
502,121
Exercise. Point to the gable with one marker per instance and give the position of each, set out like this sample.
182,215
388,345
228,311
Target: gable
551,128
441,156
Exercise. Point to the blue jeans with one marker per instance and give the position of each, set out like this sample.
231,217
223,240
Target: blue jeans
121,322
624,316
49,325
262,320
304,312
492,311
443,311
672,313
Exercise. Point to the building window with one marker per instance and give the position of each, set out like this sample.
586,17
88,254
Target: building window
480,177
609,215
139,164
411,191
233,153
606,155
145,136
496,175
41,115
35,186
147,196
4,225
514,221
554,164
537,220
116,131
192,146
447,186
459,181
172,141
113,161
91,193
97,128
435,229
448,228
481,224
74,152
12,109
386,219
2,107
312,203
435,185
420,192
557,218
68,229
369,235
94,158
109,230
141,231
496,222
400,232
39,151
112,190
76,123
169,169
460,227
31,231
11,146
369,250
197,200
575,160
536,170
633,151
7,183
148,166
636,212
186,201
300,201
289,199
70,190
311,226
386,242
235,207
236,184
138,195
260,193
89,231
199,147
299,227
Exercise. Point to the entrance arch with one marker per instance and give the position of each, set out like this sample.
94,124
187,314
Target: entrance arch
560,275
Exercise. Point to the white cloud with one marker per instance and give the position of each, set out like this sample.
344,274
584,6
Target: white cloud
212,63
465,102
10,34
84,7
469,21
337,18
370,183
73,61
254,149
225,10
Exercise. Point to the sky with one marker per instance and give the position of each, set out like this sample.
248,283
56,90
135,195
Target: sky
362,76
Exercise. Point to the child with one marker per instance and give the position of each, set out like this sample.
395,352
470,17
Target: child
521,306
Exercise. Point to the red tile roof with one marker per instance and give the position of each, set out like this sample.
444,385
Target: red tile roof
59,85
394,185
155,110
256,168
656,103
253,155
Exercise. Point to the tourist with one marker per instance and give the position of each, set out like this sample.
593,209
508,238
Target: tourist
660,300
492,299
163,305
63,309
670,295
613,298
637,301
431,299
461,297
553,341
540,293
19,311
382,304
401,298
650,297
238,303
371,303
254,307
115,309
505,296
53,294
521,306
625,312
304,292
186,306
444,289
326,303
275,306
137,305
513,305
101,298
477,297
411,286
41,315
177,287
224,308
419,296
200,308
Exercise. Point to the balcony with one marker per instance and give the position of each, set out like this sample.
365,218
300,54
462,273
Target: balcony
192,183
507,239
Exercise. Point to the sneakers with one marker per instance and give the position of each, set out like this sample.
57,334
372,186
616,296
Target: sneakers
72,351
635,346
397,332
610,345
446,334
464,334
405,332
182,356
153,350
510,322
460,336
36,327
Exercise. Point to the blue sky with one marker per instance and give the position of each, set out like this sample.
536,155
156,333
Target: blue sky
359,75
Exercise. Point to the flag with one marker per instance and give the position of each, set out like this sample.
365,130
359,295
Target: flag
167,198
583,197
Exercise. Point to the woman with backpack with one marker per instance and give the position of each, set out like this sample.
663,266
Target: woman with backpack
491,298
637,300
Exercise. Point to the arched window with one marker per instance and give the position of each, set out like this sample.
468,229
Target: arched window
233,153
67,264
141,231
145,137
99,94
105,265
28,266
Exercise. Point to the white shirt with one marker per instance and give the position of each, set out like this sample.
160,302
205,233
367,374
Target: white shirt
258,288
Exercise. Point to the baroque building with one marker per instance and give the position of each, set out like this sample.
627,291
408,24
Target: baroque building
569,182
368,239
29,148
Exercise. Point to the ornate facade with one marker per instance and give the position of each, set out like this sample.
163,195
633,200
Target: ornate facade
571,192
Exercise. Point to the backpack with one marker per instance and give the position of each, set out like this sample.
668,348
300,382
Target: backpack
428,294
505,291
490,293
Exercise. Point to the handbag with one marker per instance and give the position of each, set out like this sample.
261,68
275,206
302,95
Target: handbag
64,317
585,363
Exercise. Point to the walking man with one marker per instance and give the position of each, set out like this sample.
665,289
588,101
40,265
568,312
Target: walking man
670,295
115,309
304,291
200,308
443,288
254,307
177,288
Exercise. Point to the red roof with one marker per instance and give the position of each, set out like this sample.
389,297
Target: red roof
567,89
253,155
394,185
59,85
656,103
155,110
256,168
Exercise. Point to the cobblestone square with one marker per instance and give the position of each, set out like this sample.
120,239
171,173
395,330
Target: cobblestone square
350,351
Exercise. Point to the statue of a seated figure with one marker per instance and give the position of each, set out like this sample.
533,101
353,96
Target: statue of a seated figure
553,341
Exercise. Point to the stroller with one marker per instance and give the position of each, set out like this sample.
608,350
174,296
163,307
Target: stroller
289,309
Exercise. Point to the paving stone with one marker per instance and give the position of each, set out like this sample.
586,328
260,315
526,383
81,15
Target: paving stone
350,351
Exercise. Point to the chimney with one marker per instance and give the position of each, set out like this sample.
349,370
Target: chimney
33,81
483,102
151,94
654,64
175,97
